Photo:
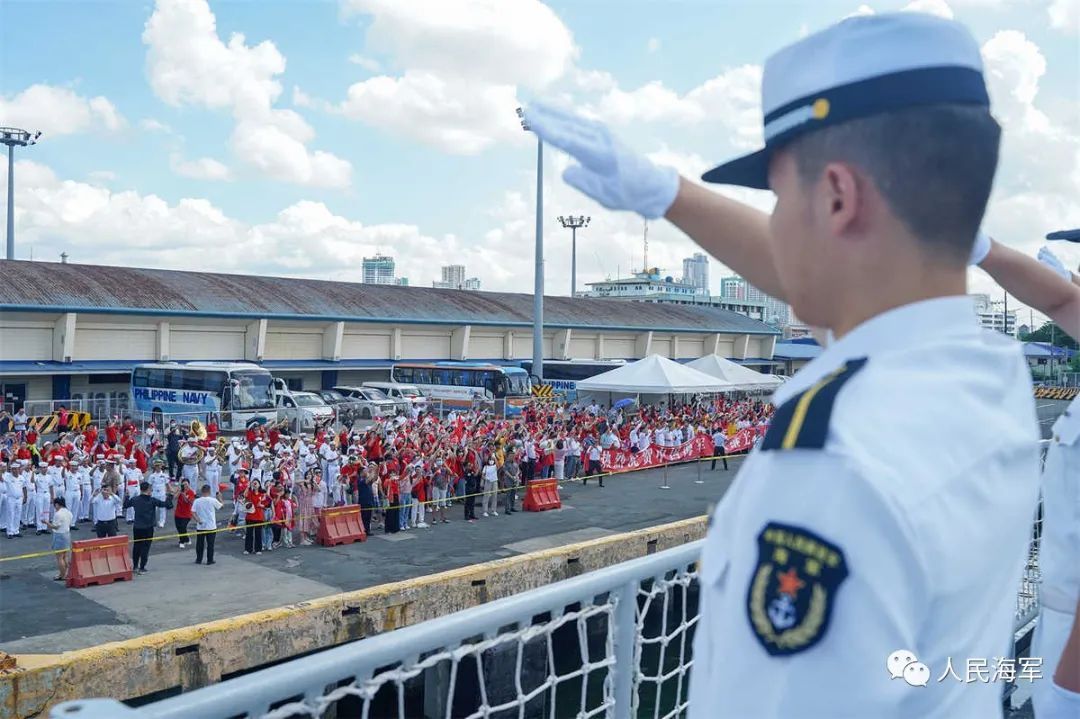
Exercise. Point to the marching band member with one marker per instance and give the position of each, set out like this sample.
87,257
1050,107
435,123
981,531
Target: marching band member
18,494
132,477
190,456
159,485
212,473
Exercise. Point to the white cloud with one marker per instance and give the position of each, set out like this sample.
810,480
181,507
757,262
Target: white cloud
369,64
101,176
653,45
457,115
463,63
730,100
59,111
188,64
151,125
1065,15
203,168
934,7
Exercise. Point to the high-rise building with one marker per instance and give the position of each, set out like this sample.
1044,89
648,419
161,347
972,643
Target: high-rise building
453,278
453,275
733,288
777,312
696,272
650,286
378,270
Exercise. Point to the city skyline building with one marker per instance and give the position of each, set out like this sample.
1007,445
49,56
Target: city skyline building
696,272
453,278
378,270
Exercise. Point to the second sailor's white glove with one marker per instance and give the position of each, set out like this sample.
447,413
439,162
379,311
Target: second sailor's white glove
1049,259
608,171
980,249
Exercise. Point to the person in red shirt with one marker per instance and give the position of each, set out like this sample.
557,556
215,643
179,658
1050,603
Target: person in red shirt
257,502
112,433
182,516
211,429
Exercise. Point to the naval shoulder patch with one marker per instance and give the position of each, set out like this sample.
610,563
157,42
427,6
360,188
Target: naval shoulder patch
793,589
803,421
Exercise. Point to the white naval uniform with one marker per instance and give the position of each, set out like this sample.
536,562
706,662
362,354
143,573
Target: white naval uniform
211,474
190,472
1059,561
72,493
95,484
159,485
15,487
43,482
329,460
85,490
911,494
132,477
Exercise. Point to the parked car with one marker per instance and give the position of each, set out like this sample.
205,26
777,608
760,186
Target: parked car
347,408
306,407
407,395
373,403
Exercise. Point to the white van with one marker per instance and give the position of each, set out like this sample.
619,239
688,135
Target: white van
407,394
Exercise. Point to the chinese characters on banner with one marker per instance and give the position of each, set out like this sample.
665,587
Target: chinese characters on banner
613,460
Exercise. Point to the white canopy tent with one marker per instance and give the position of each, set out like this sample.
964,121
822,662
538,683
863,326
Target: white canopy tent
737,376
654,375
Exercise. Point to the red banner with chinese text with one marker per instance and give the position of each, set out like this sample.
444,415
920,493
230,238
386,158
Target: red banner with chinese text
614,460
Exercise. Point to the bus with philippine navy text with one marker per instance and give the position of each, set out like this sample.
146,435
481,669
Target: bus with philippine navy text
237,392
465,385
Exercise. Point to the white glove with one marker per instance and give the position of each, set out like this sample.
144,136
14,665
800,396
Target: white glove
980,249
1049,259
610,173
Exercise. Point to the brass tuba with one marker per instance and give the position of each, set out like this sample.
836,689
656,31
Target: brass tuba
198,430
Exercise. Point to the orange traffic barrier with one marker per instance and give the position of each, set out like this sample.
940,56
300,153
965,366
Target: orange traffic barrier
340,525
541,494
99,561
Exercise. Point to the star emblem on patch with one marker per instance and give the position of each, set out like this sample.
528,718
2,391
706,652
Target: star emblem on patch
793,588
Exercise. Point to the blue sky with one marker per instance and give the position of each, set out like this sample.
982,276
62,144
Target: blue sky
169,144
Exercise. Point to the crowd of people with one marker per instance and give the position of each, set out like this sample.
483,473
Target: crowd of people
404,473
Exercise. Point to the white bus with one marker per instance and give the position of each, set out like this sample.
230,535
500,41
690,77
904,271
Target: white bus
238,392
465,385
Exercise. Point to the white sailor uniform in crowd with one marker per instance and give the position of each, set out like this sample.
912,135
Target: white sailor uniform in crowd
159,486
328,457
17,490
888,508
72,492
85,490
43,489
211,473
189,470
1059,562
132,478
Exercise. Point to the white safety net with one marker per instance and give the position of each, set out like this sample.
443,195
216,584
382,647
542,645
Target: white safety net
559,664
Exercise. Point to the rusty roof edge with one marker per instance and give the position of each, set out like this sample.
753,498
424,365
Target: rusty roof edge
376,320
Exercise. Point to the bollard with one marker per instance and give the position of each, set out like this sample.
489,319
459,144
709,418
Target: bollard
699,480
665,485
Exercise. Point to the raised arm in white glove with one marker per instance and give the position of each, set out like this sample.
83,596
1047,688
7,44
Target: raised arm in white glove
608,171
1049,259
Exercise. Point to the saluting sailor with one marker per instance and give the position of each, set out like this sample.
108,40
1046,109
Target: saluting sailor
1056,694
159,489
889,505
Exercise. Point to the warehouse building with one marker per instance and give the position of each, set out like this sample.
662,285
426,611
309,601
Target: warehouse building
75,331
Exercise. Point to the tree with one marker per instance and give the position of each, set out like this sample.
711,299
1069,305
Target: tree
1050,331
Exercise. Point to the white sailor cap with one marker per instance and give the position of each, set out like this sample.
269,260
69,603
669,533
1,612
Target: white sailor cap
862,66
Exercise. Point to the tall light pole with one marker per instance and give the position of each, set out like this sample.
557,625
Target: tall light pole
538,270
12,136
573,223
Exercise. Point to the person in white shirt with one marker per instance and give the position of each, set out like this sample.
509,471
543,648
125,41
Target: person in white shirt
61,536
857,528
19,493
44,491
644,439
159,487
491,486
85,489
204,509
595,468
106,507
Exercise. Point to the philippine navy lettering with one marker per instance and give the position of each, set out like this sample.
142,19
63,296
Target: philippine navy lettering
153,394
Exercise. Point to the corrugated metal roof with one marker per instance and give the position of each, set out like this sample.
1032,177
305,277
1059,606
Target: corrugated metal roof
50,286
